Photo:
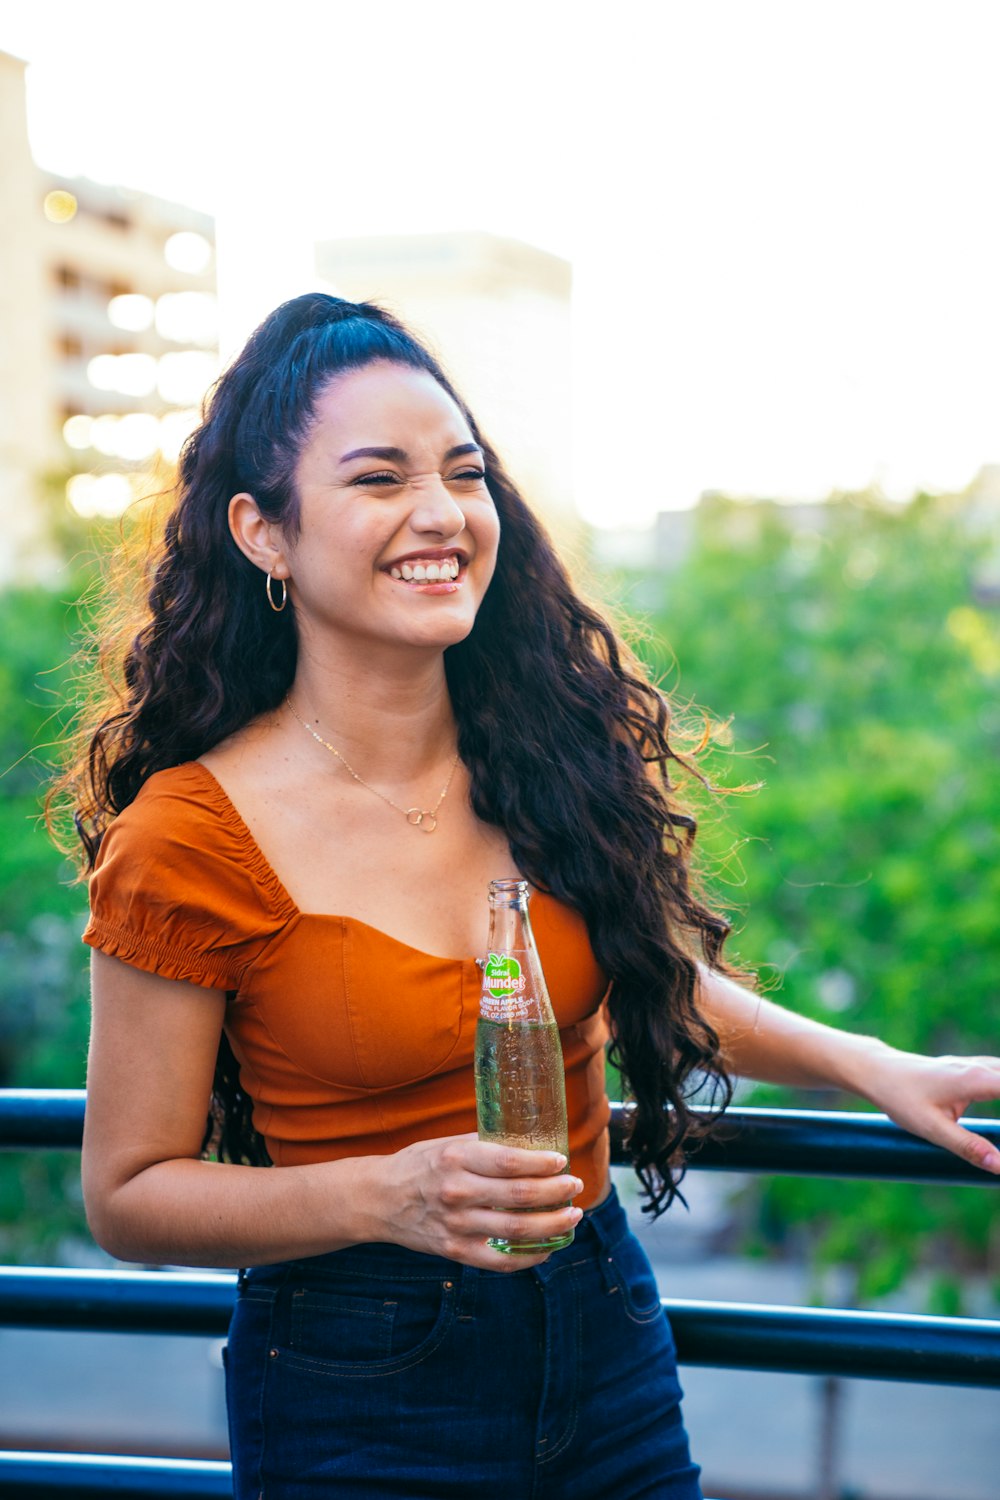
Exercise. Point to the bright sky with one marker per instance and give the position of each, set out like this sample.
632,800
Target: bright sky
782,217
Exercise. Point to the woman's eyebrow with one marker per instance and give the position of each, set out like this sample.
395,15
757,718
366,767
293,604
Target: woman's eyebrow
399,455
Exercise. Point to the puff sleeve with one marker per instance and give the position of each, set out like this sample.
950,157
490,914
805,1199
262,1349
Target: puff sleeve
180,888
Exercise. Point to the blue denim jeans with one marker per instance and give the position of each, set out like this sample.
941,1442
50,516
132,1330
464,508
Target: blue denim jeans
381,1373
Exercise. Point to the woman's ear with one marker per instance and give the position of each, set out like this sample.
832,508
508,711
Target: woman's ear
257,538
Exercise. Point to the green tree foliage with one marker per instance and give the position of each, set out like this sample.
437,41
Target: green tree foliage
43,991
861,677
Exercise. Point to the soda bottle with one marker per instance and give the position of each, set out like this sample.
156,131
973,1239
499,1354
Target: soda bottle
520,1083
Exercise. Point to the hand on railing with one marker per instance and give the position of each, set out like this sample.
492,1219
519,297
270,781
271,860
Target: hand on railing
928,1096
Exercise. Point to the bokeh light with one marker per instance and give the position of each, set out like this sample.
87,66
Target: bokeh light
99,494
131,311
187,251
104,435
59,206
77,431
129,374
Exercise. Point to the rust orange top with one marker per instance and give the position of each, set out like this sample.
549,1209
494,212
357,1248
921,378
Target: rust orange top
350,1043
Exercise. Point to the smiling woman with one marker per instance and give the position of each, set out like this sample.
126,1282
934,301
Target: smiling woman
383,525
363,688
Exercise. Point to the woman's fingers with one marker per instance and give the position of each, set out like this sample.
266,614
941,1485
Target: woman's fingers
972,1147
946,1132
494,1159
528,1226
485,1173
459,1192
929,1095
470,1191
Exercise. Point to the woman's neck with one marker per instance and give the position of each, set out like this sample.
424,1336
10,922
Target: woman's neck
390,719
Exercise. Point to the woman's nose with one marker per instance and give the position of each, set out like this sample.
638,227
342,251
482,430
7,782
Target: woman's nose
436,509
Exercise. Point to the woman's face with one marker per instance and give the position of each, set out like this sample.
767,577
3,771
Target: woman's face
398,532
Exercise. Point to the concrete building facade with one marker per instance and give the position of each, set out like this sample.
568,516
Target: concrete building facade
109,339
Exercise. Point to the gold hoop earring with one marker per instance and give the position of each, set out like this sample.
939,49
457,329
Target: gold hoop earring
270,596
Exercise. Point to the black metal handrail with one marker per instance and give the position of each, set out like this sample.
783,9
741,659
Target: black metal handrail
729,1335
959,1351
71,1475
799,1142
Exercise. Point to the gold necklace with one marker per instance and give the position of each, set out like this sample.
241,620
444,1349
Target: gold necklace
424,818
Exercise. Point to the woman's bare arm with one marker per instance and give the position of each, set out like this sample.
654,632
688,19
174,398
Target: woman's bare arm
926,1095
150,1198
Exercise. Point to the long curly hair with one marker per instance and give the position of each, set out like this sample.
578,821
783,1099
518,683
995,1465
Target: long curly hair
581,785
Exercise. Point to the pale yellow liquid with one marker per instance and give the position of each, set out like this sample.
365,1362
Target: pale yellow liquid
521,1100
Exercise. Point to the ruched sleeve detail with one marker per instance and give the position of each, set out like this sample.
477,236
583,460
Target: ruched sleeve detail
180,889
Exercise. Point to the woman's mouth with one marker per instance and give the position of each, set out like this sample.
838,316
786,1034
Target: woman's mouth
430,570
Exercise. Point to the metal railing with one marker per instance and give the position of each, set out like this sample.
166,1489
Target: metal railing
814,1341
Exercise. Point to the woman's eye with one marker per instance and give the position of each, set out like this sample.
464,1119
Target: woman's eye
466,476
378,479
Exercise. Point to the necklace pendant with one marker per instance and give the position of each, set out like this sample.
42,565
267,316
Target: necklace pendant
419,817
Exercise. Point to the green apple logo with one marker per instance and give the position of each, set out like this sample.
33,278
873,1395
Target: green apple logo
502,975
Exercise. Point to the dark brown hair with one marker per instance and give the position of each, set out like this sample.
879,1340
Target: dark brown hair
579,779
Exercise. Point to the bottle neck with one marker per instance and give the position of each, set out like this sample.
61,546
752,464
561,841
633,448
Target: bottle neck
513,983
510,925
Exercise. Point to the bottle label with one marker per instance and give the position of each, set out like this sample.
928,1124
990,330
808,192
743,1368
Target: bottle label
503,988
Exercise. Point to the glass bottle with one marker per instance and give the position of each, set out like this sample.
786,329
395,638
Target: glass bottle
520,1083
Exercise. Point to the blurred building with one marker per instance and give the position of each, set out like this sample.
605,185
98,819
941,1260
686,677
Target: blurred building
108,309
496,312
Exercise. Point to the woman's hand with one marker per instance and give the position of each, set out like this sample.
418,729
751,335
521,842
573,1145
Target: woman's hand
928,1095
449,1196
925,1095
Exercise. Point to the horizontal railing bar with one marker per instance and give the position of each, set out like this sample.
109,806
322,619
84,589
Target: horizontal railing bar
799,1142
77,1474
735,1335
41,1118
72,1475
833,1341
830,1143
183,1302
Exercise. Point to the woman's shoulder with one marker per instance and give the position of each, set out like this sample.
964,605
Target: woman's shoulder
189,784
180,804
179,886
194,792
183,829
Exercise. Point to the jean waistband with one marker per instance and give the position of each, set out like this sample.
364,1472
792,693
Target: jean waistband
600,1230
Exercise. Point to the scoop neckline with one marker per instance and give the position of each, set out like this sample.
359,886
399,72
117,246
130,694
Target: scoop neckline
266,870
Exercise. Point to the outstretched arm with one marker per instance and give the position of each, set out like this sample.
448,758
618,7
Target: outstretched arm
925,1095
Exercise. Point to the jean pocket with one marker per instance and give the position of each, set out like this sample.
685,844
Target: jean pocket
349,1328
635,1279
350,1331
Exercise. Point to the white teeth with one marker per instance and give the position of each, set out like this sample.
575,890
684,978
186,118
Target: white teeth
429,572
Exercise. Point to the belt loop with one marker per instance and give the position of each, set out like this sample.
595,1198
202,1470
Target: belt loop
467,1293
605,1223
